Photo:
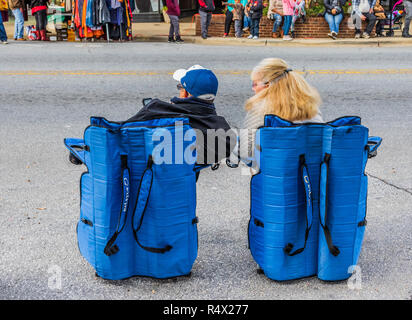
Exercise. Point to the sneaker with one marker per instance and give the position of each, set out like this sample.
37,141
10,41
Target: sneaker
245,29
250,37
204,37
224,35
255,38
4,42
179,40
357,36
332,35
21,39
287,38
406,35
171,39
365,35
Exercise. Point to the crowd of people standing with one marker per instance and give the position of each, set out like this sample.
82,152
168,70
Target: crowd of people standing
18,8
246,15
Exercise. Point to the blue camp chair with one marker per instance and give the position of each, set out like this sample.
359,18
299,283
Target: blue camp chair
137,216
308,201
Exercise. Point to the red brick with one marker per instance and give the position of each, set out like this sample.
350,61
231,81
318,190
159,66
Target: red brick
314,27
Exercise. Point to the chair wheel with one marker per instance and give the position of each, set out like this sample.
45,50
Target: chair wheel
74,160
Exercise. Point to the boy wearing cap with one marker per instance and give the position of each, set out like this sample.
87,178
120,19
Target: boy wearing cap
197,91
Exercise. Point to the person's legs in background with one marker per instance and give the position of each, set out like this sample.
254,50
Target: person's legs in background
208,19
18,24
338,19
204,25
292,24
371,19
408,10
3,34
246,22
228,22
171,29
379,28
255,28
331,21
174,29
287,20
357,21
41,20
334,22
277,20
43,14
238,28
38,23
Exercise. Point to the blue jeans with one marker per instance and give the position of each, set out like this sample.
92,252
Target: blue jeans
334,21
3,34
254,29
246,21
18,24
287,22
277,20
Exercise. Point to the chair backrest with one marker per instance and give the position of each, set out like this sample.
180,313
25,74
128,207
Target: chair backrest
138,198
309,196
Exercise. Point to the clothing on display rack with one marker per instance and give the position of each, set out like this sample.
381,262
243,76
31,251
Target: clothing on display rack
91,16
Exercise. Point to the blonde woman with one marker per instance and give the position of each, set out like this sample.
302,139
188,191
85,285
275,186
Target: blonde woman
279,91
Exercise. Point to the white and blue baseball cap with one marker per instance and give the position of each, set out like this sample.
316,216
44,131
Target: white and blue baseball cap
198,81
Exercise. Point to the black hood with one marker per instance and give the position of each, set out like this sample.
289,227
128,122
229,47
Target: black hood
202,116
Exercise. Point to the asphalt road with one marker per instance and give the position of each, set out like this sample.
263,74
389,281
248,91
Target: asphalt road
49,91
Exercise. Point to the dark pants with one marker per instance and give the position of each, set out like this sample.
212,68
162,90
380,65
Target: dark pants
408,9
41,19
379,26
370,18
228,21
174,26
205,18
254,29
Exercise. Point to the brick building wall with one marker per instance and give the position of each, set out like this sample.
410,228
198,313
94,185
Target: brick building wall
314,27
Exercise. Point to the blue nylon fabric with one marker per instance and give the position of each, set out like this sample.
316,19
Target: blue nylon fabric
170,209
277,197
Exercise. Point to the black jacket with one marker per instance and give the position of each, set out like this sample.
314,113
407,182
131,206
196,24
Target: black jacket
256,12
38,3
202,116
206,5
329,7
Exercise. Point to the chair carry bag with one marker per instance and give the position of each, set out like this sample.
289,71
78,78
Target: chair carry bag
137,211
308,201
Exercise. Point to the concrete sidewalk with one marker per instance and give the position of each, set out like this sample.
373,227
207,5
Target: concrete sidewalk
158,32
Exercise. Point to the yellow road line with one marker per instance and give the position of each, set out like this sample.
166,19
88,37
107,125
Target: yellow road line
220,72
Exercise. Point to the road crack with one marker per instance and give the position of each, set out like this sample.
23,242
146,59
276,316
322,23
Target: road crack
389,184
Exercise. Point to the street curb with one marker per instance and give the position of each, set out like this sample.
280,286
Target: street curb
214,41
378,42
